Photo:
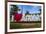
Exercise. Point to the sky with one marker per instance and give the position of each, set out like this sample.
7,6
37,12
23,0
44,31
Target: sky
31,9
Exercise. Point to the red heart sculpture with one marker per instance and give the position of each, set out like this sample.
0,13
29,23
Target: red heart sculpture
17,17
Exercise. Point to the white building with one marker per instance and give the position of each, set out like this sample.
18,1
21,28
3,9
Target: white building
31,17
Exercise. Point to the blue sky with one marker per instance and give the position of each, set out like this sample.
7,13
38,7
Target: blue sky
30,8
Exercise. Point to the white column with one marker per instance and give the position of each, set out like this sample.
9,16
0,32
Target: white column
23,17
12,18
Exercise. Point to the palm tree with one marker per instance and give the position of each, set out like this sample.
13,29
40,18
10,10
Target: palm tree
27,12
14,9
